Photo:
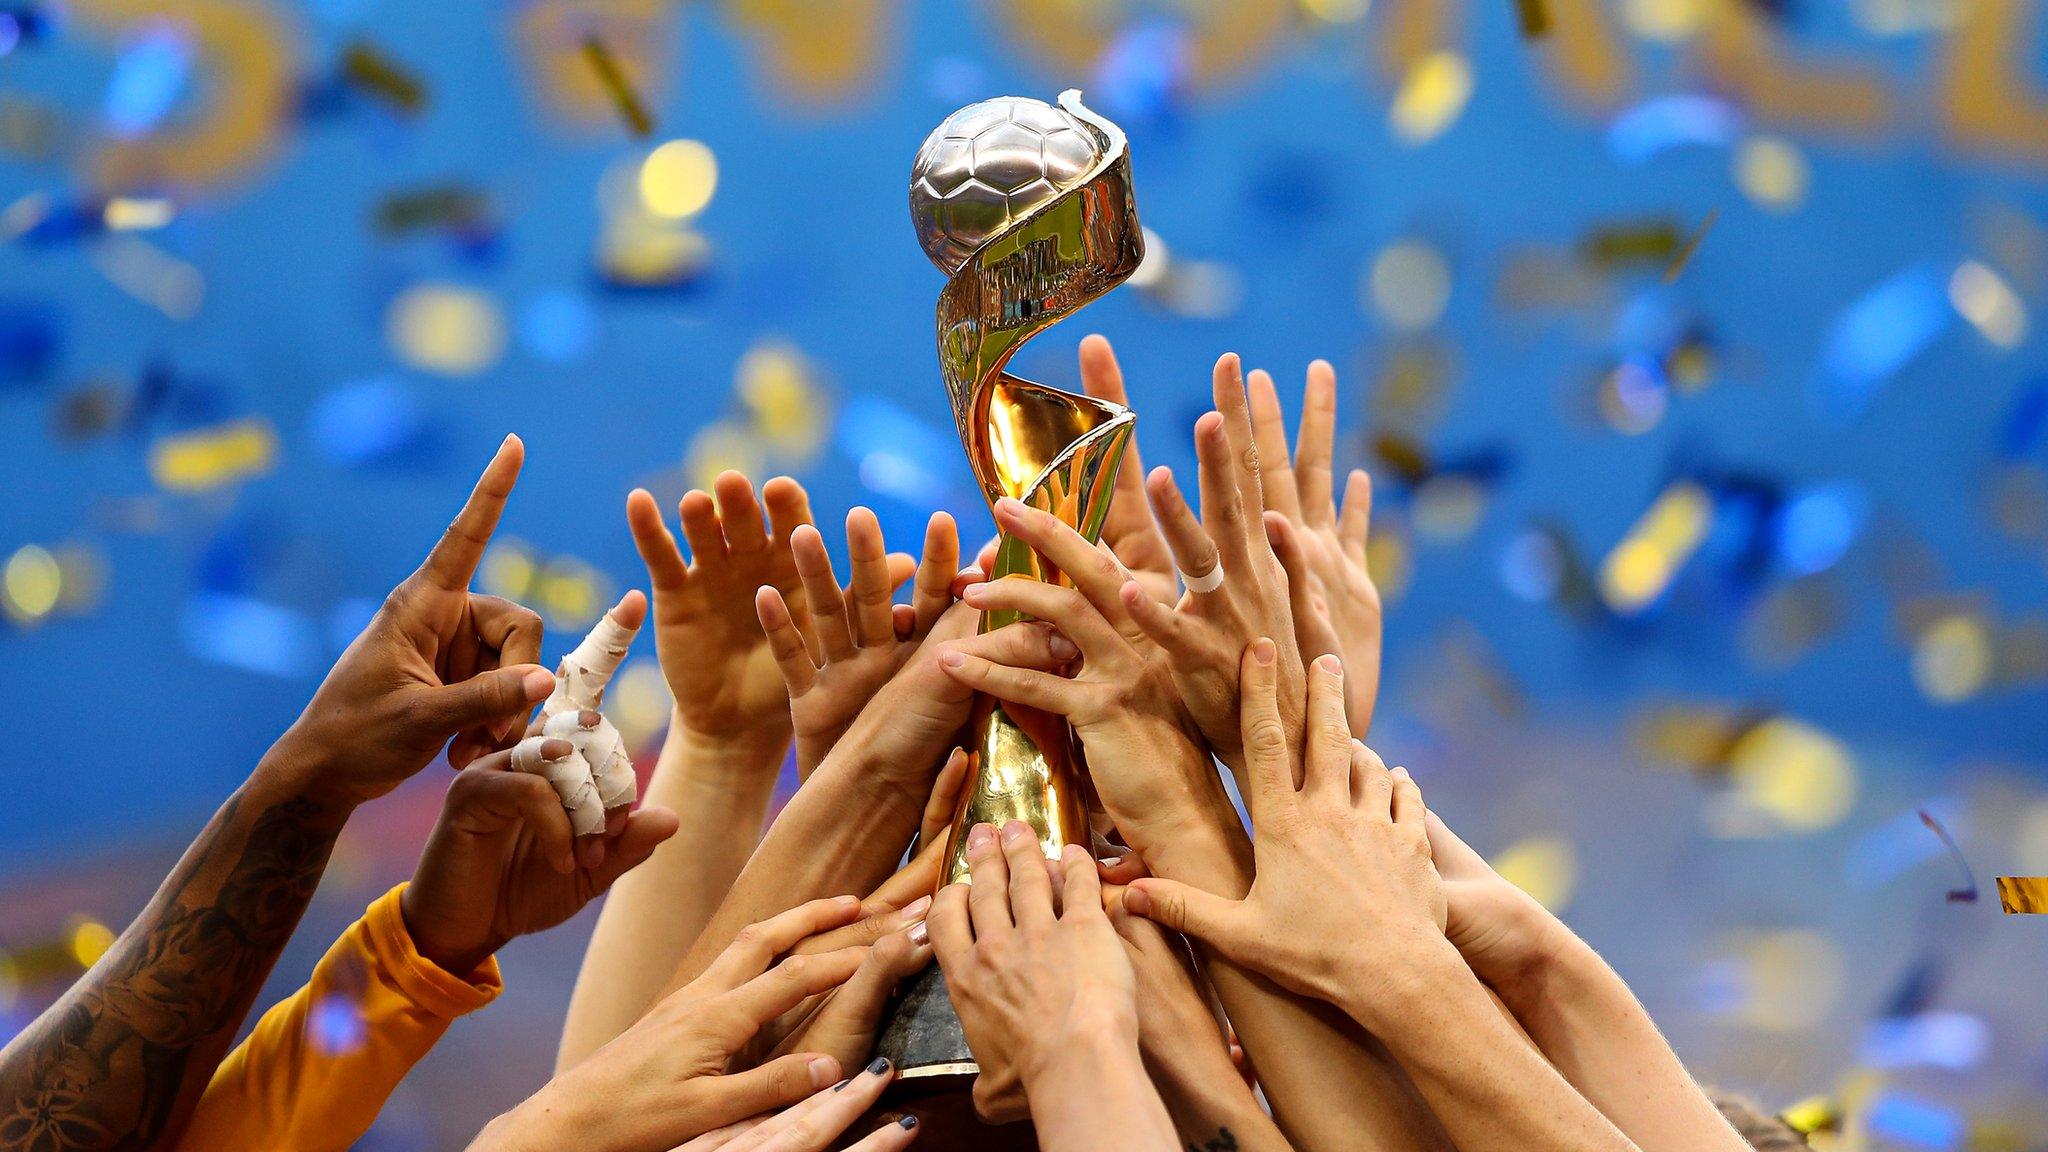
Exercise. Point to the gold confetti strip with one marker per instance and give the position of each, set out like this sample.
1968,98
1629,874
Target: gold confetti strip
2023,895
614,80
1534,16
211,457
372,71
1692,245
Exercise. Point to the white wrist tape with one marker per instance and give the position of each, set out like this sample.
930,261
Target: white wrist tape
571,777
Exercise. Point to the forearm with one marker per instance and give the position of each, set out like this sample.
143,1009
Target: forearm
119,1061
1093,1091
841,834
1211,1106
1331,1085
1580,1012
1491,1091
719,791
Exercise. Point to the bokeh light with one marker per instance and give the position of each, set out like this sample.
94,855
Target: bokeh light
446,329
677,180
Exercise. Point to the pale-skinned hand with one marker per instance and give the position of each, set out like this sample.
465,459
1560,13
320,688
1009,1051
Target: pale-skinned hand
436,661
1502,932
1344,893
817,1123
1129,530
501,863
855,637
665,1080
1205,634
1032,963
1336,605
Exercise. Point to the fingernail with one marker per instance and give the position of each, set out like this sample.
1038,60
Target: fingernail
1400,773
908,1122
1110,861
847,899
589,717
1061,647
974,590
824,1070
880,1066
538,683
1329,663
916,908
1263,650
978,837
919,935
1016,832
1009,506
951,659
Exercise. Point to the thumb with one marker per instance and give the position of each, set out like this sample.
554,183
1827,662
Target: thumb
488,696
771,1087
1189,911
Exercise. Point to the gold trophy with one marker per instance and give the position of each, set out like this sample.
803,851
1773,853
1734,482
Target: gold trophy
1027,208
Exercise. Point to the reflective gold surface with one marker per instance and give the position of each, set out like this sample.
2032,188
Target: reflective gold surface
1050,449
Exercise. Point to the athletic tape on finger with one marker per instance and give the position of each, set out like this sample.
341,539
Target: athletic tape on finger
604,751
570,776
1207,582
580,682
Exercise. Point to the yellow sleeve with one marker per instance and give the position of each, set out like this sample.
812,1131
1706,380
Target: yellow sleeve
319,1066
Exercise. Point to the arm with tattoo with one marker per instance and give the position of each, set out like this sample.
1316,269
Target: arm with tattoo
119,1061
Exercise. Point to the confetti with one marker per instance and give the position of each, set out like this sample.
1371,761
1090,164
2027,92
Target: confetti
151,275
1639,569
2023,895
1533,16
614,80
1685,253
1408,284
459,207
678,179
368,69
1967,894
211,458
1431,97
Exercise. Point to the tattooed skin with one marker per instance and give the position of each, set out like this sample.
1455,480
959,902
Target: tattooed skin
127,1051
1223,1141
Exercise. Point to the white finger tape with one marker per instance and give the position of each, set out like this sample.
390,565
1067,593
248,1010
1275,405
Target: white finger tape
571,778
1207,582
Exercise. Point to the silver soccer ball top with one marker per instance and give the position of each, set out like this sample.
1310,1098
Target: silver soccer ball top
987,167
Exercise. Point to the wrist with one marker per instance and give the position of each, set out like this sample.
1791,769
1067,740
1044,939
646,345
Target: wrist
743,759
1083,1051
459,959
298,766
1381,991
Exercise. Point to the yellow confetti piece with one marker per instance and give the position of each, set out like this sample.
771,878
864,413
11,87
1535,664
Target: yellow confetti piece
1642,566
32,584
1771,172
90,941
1953,658
445,329
1664,21
678,179
1982,297
212,457
1546,867
1431,98
1801,777
2023,895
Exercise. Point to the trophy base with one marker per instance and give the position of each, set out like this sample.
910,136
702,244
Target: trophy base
935,1072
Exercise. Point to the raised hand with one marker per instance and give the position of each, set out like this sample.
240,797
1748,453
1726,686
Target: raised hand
501,862
1130,531
664,1080
435,662
1148,761
1344,898
1336,605
862,638
1226,554
712,650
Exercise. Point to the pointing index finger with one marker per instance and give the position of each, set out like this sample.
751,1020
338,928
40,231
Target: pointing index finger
454,559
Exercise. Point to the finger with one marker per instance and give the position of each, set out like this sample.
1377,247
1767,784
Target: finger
1223,503
1042,690
1189,911
484,697
890,1137
1315,443
1103,378
1312,631
1227,382
1121,870
1269,433
868,598
1021,645
645,830
1326,768
933,591
759,943
951,926
1194,551
822,593
1081,888
1455,859
1094,571
739,514
988,897
1354,524
1065,608
773,1086
884,922
655,543
491,787
1265,738
785,641
789,507
816,1123
1408,809
945,797
513,629
789,984
698,513
453,561
1162,624
1030,887
1372,785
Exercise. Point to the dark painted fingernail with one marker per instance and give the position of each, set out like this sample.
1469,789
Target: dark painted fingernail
880,1066
841,1084
908,1122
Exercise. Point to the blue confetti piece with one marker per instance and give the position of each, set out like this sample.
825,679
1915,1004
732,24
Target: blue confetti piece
368,422
149,76
252,635
30,338
1879,333
1816,527
2019,434
1915,1122
1889,850
1657,126
1956,1041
